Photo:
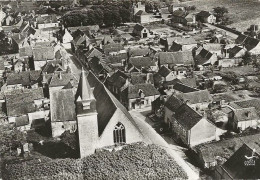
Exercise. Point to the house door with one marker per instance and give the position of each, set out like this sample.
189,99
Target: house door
144,35
133,105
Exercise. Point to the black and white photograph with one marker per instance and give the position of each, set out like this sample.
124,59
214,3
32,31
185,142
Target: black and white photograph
129,89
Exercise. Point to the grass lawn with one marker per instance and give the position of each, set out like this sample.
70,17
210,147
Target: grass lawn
242,12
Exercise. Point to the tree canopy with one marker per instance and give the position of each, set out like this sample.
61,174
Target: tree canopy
108,14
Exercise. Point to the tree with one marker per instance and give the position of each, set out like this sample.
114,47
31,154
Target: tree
220,12
247,58
149,6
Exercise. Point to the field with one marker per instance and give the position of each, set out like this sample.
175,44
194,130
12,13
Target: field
243,13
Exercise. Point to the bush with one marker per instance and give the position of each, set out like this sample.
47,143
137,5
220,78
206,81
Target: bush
136,161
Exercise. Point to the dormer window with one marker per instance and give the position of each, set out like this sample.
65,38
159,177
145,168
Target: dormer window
141,93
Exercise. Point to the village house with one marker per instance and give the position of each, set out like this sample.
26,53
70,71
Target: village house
190,82
41,55
166,74
66,37
94,52
26,106
112,48
243,164
197,100
46,21
178,88
138,96
183,44
173,59
245,114
142,63
206,17
215,48
249,43
186,124
141,31
139,13
231,62
236,52
183,17
205,58
23,79
19,41
59,80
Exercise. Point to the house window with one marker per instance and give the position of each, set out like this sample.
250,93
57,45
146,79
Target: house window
119,133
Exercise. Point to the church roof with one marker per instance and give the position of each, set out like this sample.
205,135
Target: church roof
84,89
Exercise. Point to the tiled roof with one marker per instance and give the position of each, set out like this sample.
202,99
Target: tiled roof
247,104
62,79
235,165
18,38
187,117
164,71
233,51
62,105
94,52
204,14
245,114
114,59
140,78
195,97
173,103
148,90
142,62
181,57
21,102
26,51
179,13
51,66
25,78
202,57
184,88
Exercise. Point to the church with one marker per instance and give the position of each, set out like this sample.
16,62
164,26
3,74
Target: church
101,120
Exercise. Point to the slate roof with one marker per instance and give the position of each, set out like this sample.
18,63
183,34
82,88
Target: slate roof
204,14
51,66
148,90
94,52
164,71
138,27
95,65
142,62
184,88
181,57
202,57
187,117
18,38
182,41
105,99
62,105
195,97
233,51
235,165
21,102
173,103
118,79
249,42
140,12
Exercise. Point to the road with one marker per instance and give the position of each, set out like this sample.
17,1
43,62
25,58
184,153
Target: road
173,150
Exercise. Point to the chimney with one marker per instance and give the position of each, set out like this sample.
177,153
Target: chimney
19,36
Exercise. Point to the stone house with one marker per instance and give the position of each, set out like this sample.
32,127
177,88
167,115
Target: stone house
197,100
139,96
183,17
205,58
245,114
141,31
142,17
206,17
173,59
183,44
186,124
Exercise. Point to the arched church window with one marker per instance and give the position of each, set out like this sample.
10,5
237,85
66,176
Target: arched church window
119,133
